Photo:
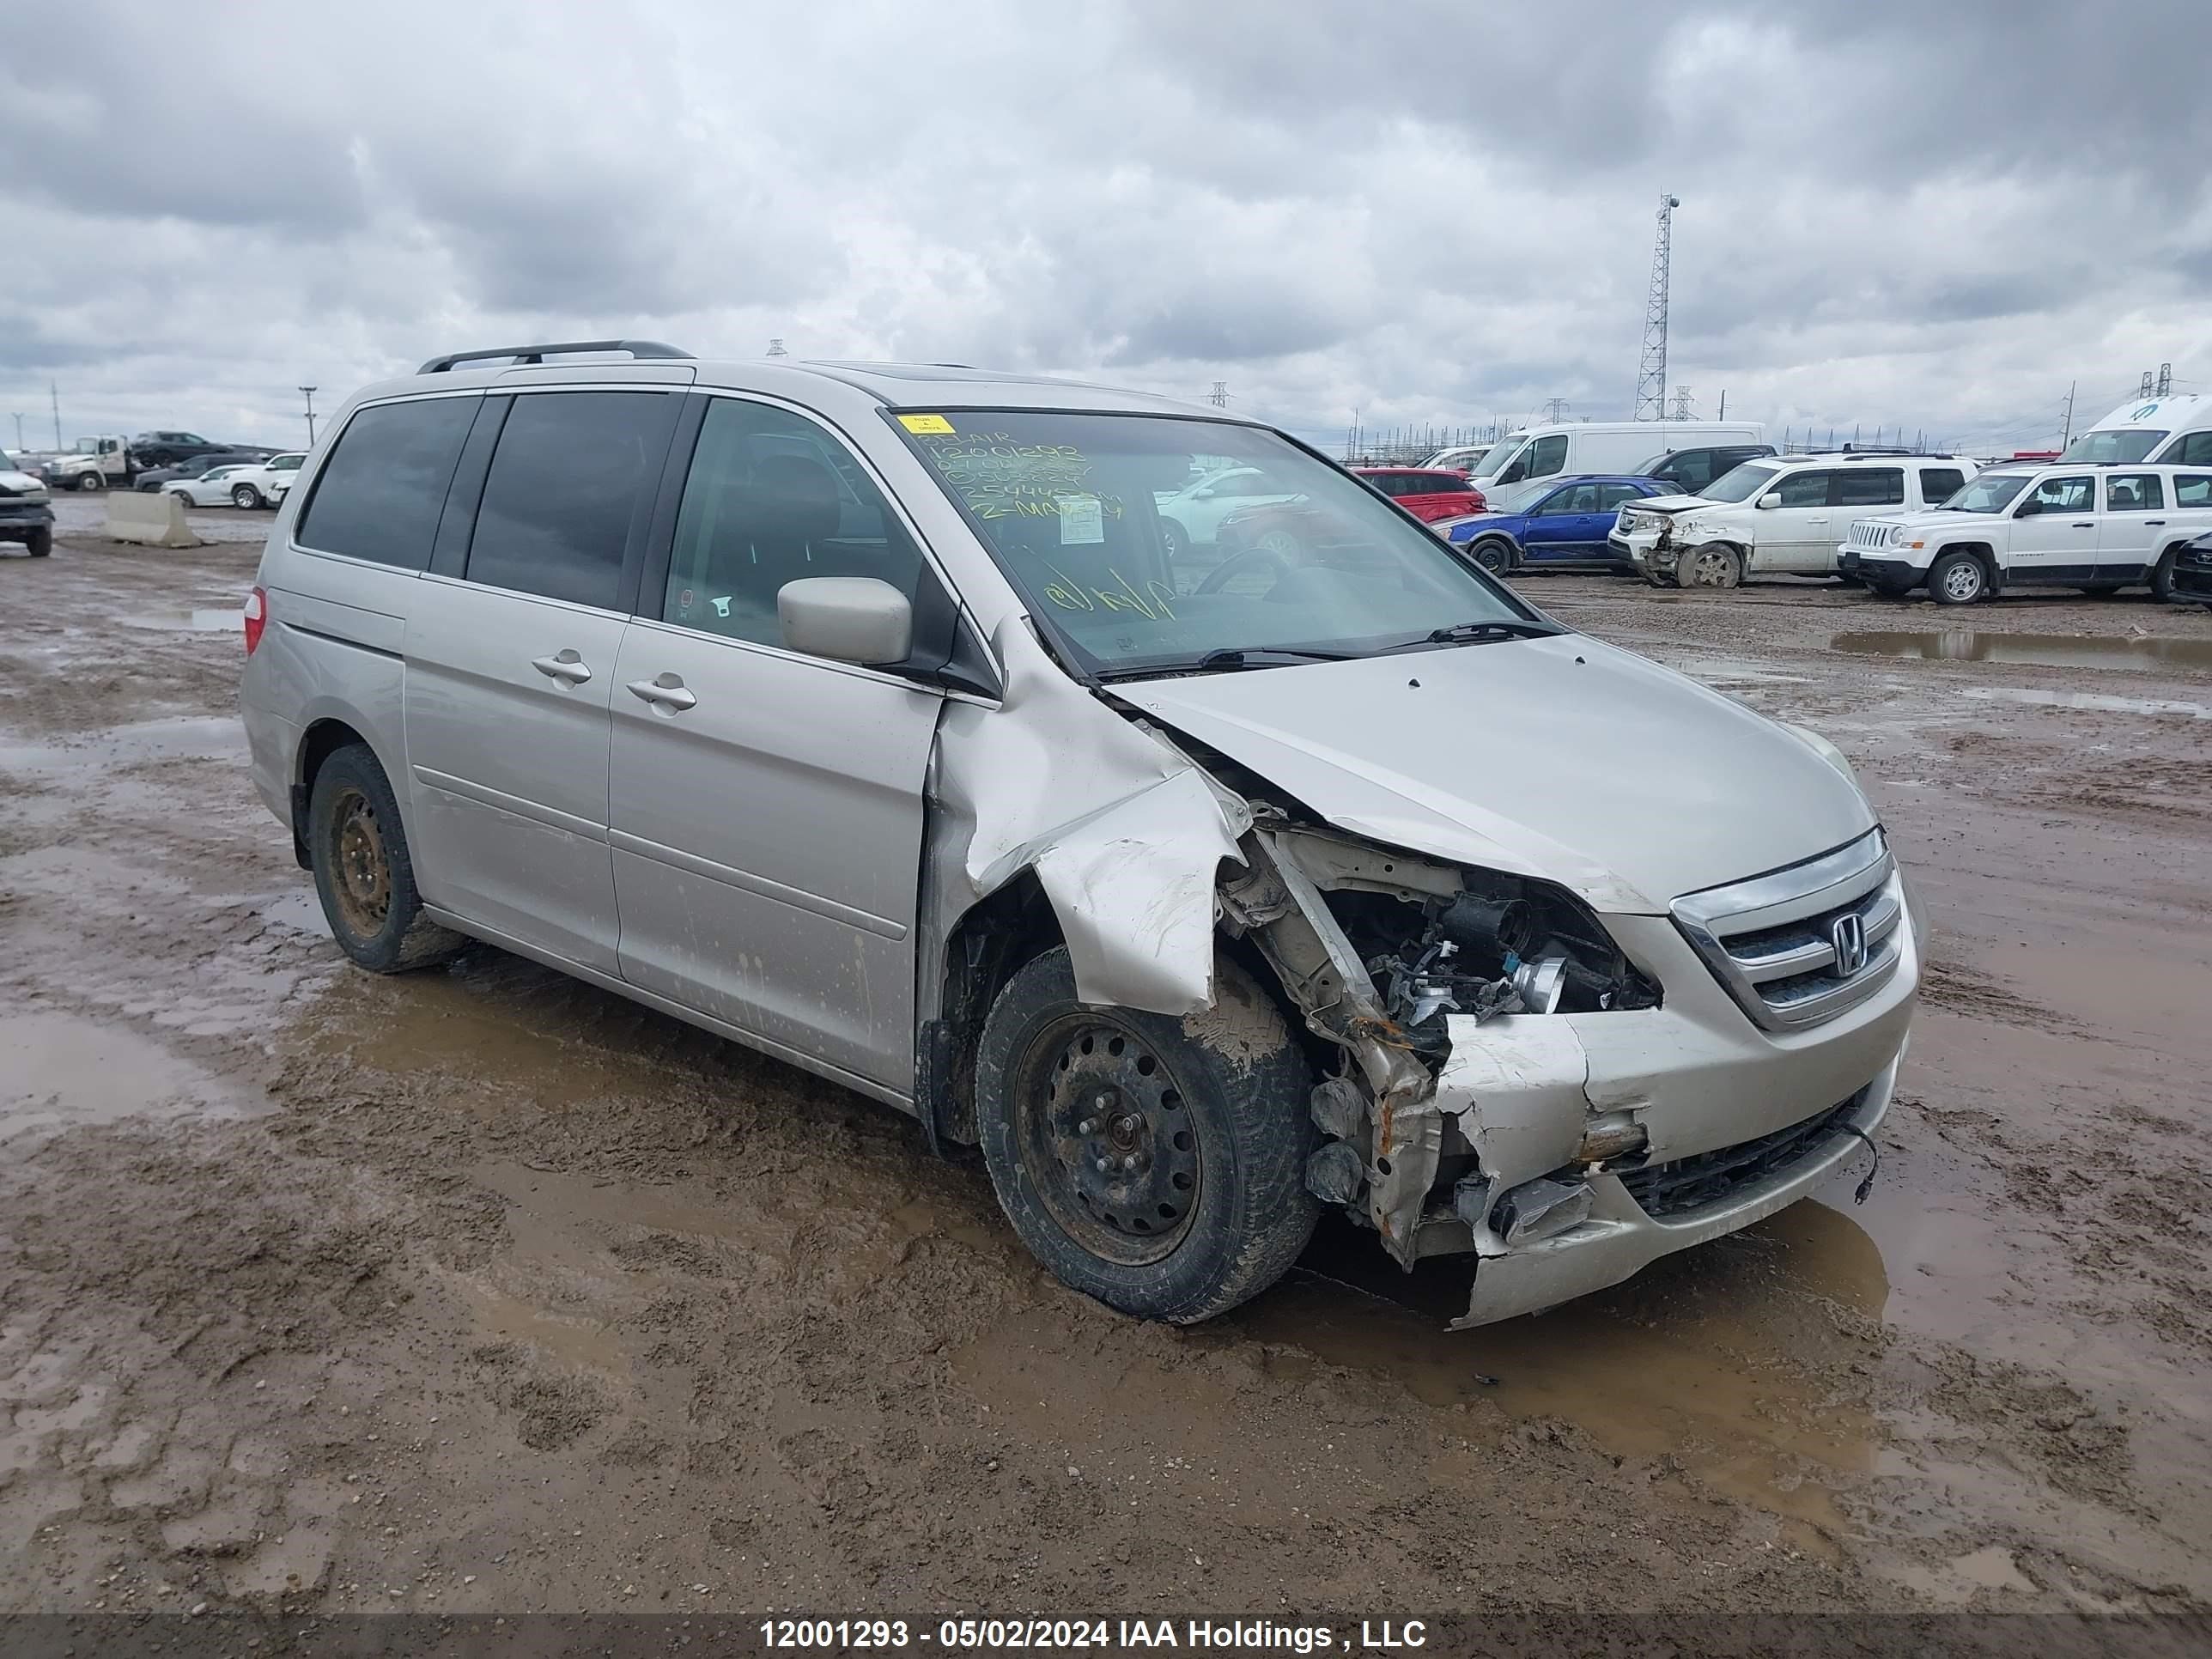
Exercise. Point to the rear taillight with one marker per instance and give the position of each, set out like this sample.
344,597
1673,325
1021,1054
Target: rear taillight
257,618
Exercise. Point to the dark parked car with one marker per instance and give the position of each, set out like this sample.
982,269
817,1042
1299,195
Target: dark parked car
1564,525
167,448
1687,471
197,465
2189,582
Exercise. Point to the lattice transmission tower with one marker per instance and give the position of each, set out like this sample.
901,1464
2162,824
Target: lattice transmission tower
1652,371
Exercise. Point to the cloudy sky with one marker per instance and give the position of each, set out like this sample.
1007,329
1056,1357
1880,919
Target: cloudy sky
1437,213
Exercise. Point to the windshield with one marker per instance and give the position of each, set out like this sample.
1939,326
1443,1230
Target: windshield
1991,493
2127,443
1740,485
1068,505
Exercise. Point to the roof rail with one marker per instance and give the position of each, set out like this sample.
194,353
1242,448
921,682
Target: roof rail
536,354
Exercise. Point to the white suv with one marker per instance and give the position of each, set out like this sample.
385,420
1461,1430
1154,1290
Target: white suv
2061,524
1779,517
264,484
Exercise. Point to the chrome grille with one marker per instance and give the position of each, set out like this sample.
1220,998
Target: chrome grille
1797,946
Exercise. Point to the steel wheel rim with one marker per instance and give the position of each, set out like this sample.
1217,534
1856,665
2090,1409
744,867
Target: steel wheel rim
1491,557
361,869
1962,581
1089,1091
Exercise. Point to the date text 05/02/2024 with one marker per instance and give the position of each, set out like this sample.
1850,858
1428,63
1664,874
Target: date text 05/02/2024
1252,1635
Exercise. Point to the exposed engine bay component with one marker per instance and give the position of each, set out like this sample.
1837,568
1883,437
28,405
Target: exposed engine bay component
1541,1209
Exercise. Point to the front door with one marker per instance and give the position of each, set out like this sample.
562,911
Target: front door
2054,533
767,806
1790,536
511,667
1565,525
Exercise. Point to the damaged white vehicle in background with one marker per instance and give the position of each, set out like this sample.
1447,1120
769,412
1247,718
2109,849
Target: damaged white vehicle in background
1201,889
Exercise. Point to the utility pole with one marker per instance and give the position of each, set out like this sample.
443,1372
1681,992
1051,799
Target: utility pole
1681,402
18,428
1724,403
2144,391
2165,380
1553,407
2066,441
54,390
1651,370
308,392
1219,395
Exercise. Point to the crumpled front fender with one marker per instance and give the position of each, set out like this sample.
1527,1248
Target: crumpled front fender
1126,835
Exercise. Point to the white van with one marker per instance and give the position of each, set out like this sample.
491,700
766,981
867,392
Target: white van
2175,430
1465,459
1614,446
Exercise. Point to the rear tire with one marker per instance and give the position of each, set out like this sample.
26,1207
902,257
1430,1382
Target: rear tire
1175,538
1201,1124
1957,579
363,873
40,543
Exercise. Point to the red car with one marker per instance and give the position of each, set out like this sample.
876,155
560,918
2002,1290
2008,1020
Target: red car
1428,494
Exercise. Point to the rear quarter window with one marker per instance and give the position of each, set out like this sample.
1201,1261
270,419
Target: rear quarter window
1940,484
380,493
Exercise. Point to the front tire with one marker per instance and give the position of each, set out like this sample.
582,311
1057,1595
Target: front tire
1711,564
1155,1163
245,498
1175,538
2161,577
363,873
1494,554
40,543
1957,579
89,482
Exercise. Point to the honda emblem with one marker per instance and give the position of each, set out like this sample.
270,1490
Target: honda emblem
1848,935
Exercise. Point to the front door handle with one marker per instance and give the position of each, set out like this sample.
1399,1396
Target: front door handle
2083,524
2155,524
568,666
668,691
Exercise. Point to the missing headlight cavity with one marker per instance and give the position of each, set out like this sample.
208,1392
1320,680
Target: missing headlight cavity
1502,945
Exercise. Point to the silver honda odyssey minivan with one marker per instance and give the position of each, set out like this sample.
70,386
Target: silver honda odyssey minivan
863,713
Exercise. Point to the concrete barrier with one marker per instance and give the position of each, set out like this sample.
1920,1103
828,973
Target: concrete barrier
150,519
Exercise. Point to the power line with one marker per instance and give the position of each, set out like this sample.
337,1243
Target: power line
1651,370
1553,407
1681,402
1219,395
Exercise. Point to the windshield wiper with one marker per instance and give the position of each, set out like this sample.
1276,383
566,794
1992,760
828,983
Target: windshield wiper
1467,633
1228,660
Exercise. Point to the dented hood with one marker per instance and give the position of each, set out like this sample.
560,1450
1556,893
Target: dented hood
1561,758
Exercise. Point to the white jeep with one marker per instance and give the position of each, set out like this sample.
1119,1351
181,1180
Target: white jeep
2057,525
1781,516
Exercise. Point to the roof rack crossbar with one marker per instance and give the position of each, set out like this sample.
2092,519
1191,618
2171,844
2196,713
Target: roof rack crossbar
536,354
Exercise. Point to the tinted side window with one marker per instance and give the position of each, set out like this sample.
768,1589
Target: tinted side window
1939,483
2065,496
1547,456
1575,498
1804,489
2194,450
772,498
1871,486
1610,496
2192,489
1694,469
380,493
564,482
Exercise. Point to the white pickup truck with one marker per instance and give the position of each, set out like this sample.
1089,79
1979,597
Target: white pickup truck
2098,528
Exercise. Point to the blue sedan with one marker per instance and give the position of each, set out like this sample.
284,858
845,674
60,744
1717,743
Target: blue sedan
1554,523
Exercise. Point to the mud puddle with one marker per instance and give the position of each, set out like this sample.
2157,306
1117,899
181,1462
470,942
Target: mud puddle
190,737
2095,701
2041,650
1715,1361
64,1072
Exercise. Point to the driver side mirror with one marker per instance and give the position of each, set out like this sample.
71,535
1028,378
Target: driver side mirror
854,619
1770,501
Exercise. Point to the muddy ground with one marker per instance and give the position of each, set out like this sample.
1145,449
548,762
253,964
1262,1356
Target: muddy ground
482,1290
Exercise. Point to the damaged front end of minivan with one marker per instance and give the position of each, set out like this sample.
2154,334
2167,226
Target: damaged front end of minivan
1487,1055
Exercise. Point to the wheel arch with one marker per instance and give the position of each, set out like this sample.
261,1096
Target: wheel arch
993,940
318,741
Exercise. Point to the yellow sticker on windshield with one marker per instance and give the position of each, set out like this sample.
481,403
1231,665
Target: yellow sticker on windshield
925,425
